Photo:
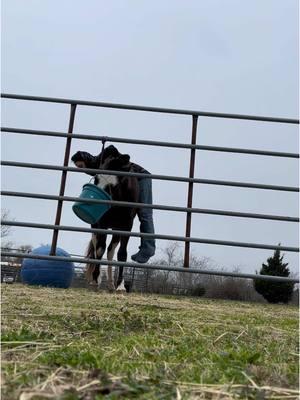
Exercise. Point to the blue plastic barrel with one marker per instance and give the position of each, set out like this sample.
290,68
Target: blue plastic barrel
47,272
91,212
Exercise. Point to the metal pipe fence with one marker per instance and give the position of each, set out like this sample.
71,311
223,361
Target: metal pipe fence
153,206
114,139
152,176
149,109
63,178
191,180
150,267
150,236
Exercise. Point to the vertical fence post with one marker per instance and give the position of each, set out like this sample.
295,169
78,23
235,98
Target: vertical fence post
190,194
63,179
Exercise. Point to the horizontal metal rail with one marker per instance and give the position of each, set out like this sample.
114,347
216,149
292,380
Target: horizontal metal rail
149,236
151,266
151,176
150,142
149,109
10,249
153,206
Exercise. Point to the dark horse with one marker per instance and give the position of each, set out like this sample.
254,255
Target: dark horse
120,188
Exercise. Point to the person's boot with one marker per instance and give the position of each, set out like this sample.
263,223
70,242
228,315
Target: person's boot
140,257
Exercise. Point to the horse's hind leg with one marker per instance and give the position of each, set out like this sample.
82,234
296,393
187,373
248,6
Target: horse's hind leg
96,250
122,256
110,255
92,269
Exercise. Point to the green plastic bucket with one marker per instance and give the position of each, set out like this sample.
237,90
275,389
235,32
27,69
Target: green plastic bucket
91,212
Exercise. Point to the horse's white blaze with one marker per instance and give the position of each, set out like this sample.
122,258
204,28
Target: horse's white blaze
104,180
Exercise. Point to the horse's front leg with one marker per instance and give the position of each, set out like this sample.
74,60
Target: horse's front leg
100,250
110,255
122,256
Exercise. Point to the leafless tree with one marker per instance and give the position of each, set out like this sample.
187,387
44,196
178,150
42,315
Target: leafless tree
5,230
211,286
169,282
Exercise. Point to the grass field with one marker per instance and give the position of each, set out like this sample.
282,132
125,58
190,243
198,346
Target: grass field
78,344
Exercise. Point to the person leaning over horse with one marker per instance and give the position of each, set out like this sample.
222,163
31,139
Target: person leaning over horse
83,159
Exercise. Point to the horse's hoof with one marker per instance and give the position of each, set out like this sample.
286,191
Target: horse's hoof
111,288
121,291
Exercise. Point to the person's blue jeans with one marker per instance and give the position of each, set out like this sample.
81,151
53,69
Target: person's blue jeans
147,247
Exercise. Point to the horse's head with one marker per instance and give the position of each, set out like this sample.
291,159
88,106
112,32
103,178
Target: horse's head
114,161
107,155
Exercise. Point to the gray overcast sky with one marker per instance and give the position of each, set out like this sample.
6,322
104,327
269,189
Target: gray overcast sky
229,56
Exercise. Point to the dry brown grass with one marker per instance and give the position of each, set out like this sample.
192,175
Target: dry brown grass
75,344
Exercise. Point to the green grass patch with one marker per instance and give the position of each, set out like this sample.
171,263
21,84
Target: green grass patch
78,344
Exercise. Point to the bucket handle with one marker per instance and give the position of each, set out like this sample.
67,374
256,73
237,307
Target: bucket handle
93,177
103,144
